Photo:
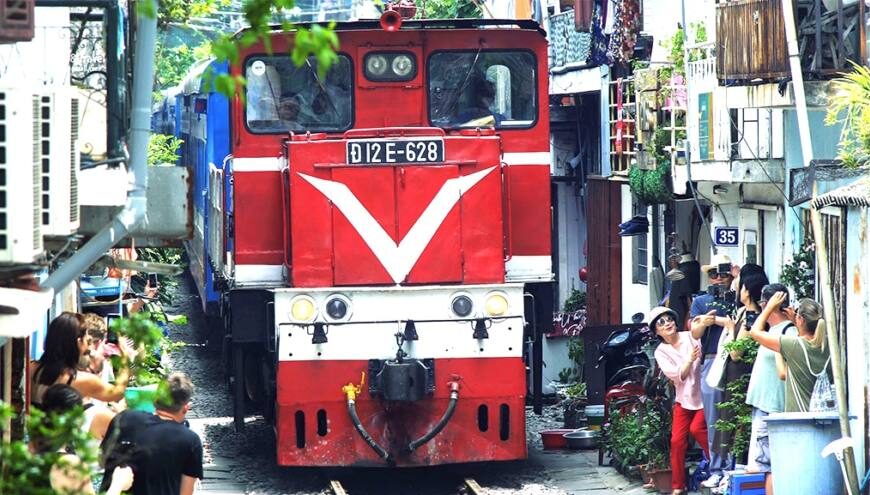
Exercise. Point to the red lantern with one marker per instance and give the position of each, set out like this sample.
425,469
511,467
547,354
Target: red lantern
583,273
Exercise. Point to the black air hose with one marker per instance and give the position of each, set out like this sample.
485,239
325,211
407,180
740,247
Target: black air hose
354,418
451,408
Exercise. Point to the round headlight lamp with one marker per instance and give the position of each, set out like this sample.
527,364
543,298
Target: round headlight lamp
462,306
337,307
496,304
302,308
376,65
402,66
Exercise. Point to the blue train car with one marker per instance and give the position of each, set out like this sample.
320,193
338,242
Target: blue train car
202,123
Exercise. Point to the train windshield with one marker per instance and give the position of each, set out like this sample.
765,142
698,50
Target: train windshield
482,89
282,97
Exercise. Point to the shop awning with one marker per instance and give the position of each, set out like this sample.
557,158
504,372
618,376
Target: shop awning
854,194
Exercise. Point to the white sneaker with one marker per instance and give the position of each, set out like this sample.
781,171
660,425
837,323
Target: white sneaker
712,481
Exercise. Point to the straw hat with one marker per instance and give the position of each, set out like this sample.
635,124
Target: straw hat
715,261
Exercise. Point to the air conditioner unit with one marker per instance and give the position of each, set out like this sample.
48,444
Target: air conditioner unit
16,20
59,162
20,177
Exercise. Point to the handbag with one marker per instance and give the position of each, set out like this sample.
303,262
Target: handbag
823,397
716,374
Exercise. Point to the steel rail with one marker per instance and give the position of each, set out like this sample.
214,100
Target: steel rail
336,487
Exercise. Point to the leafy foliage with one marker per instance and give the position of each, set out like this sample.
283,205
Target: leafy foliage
172,63
741,423
449,9
27,473
576,353
640,437
162,148
576,300
850,106
799,273
747,347
147,367
172,256
319,42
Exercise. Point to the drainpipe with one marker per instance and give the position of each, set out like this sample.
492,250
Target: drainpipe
821,247
134,209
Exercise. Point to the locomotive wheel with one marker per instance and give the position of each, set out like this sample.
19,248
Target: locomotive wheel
253,366
238,386
268,391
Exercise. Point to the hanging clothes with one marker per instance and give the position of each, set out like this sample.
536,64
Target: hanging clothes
626,21
583,15
599,39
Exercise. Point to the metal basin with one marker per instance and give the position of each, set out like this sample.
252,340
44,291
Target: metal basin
582,439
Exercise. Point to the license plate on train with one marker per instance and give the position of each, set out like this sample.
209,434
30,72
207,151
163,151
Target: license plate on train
386,151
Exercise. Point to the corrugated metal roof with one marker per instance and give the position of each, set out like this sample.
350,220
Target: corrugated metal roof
854,194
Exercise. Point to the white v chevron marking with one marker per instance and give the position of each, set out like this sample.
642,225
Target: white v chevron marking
397,259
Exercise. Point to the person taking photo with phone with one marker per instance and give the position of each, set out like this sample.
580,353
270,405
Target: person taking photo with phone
66,343
705,309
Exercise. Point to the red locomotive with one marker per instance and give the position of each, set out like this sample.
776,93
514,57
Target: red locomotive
375,239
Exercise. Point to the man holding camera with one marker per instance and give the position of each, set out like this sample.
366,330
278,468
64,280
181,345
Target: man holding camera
705,308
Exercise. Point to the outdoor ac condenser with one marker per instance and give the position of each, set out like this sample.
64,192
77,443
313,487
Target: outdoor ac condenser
59,161
20,178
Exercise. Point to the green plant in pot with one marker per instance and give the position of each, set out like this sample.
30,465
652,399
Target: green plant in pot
574,404
147,370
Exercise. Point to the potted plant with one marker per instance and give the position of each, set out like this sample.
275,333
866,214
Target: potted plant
574,405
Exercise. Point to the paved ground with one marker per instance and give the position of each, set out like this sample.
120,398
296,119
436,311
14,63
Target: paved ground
561,472
244,463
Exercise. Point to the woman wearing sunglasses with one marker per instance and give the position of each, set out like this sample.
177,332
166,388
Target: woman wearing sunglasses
678,356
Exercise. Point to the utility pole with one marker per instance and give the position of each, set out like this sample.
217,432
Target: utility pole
821,246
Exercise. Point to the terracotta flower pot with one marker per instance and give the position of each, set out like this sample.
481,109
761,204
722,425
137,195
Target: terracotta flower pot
662,479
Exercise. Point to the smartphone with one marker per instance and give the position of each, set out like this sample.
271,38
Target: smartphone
152,280
111,336
724,268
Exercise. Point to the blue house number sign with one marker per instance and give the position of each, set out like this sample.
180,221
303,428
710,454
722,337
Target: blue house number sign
726,236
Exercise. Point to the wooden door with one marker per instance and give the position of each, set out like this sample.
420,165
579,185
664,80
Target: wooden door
603,286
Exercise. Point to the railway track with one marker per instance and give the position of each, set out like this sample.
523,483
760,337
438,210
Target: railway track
468,487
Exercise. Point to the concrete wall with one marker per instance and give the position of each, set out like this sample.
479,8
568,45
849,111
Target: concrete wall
555,359
857,311
635,297
572,240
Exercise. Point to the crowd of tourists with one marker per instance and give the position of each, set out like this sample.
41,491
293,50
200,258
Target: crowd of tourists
140,452
694,354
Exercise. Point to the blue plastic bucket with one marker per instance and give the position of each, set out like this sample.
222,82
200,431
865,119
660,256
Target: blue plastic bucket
796,443
141,398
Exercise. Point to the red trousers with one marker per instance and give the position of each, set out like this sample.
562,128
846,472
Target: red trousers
685,422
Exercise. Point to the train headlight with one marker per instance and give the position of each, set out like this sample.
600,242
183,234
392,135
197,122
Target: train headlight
376,65
337,307
461,305
302,308
402,66
496,304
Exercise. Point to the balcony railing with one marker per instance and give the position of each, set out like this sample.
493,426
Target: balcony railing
751,41
567,45
701,67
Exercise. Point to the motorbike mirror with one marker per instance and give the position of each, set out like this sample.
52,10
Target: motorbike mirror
637,318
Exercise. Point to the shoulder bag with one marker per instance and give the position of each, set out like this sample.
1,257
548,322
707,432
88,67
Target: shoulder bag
716,374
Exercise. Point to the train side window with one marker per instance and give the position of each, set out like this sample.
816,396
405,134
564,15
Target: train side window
473,88
282,97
